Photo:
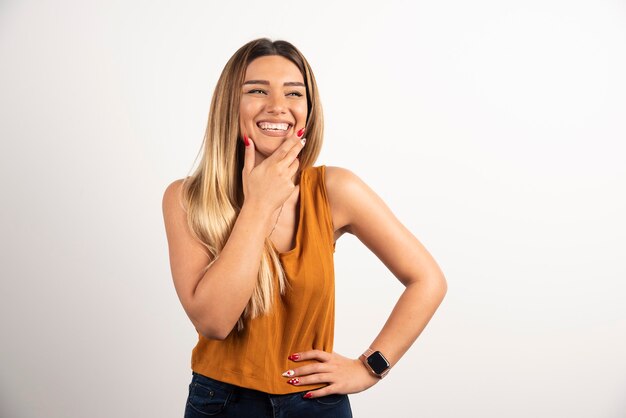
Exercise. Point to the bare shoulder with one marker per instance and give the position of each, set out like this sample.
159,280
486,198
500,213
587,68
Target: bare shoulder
338,177
175,217
173,197
184,247
345,190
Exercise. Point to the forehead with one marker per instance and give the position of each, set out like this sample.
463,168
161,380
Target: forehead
273,68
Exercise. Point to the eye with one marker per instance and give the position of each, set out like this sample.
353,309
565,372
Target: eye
297,93
255,90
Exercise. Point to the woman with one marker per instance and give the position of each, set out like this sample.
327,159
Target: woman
251,238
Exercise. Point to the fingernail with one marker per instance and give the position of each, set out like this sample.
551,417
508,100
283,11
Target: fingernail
303,140
245,140
289,373
294,357
294,381
308,395
300,132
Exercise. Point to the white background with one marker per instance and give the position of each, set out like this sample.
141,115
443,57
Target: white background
493,129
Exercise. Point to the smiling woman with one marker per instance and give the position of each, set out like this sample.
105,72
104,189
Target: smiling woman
251,238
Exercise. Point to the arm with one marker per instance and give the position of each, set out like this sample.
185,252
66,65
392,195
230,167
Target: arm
358,210
215,297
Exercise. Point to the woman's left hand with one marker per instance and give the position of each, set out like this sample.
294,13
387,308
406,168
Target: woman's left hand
343,375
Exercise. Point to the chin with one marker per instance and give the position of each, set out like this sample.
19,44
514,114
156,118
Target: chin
265,152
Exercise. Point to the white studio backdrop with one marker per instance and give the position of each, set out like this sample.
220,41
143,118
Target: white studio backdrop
494,130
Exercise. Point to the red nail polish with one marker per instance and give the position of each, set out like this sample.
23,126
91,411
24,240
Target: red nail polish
245,140
308,395
294,357
300,133
293,381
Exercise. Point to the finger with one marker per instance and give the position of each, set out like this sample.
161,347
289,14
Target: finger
318,393
292,154
308,369
283,150
311,379
248,163
293,168
286,158
311,355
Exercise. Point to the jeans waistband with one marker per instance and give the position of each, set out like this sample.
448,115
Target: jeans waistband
242,392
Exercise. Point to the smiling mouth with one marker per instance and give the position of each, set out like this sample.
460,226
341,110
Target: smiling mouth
274,127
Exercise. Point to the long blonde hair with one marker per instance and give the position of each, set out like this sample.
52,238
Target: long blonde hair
213,194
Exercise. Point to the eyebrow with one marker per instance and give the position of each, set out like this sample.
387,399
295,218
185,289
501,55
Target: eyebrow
287,83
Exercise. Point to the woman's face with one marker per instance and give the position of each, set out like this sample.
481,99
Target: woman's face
273,102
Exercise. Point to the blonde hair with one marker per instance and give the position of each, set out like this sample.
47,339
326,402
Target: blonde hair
213,194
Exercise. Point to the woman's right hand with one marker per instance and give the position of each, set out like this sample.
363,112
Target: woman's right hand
268,185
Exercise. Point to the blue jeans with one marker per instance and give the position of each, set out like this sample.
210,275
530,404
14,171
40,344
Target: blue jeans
210,397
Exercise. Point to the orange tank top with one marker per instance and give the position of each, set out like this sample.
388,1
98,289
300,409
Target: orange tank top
302,319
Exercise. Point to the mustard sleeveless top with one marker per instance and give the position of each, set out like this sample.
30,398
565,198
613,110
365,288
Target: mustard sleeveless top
302,319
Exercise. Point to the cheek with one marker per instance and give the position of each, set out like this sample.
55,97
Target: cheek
245,113
301,111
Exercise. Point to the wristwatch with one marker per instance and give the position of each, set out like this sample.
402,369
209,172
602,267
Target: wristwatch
375,362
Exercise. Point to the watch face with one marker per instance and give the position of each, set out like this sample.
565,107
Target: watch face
378,362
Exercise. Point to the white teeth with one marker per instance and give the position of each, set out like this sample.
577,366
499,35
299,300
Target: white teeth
273,126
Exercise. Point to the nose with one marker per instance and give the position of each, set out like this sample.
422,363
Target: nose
276,103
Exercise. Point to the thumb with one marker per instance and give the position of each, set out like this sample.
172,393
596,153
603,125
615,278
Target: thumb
248,162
